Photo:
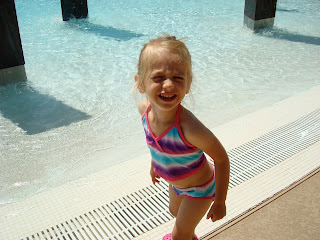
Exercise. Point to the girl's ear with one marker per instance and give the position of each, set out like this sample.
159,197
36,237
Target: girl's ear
138,84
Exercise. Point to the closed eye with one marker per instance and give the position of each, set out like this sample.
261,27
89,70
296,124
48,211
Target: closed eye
157,78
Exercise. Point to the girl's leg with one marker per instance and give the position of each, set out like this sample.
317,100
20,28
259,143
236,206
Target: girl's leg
189,215
174,201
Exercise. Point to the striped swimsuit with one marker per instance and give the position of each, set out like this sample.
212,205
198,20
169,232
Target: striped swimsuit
174,158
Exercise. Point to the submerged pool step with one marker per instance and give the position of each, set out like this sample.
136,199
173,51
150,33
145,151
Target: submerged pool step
137,213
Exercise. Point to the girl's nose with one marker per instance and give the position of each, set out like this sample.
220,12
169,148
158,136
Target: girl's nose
168,84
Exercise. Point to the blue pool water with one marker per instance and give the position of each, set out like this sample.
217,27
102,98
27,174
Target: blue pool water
76,114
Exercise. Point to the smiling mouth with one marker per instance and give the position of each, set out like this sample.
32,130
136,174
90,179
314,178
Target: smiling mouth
167,98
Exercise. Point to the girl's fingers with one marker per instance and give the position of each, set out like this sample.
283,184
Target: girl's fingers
155,179
210,214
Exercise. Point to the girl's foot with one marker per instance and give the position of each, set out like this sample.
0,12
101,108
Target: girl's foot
169,237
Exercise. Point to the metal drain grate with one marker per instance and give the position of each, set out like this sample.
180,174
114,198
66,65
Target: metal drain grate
125,218
270,149
139,212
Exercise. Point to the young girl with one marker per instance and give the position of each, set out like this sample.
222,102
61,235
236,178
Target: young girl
177,139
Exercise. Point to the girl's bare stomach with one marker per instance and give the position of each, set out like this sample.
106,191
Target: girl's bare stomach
198,179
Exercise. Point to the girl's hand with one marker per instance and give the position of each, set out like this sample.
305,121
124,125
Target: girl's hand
154,177
217,211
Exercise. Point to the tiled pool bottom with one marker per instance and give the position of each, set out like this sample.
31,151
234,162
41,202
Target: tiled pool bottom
269,150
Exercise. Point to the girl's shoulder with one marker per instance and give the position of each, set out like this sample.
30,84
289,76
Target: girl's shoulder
200,136
189,123
192,128
143,105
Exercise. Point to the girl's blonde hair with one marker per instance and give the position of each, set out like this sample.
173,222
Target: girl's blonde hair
164,43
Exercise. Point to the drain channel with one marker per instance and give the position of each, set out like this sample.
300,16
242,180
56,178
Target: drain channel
141,211
272,148
125,218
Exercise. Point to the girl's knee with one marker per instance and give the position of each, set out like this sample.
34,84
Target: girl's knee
173,210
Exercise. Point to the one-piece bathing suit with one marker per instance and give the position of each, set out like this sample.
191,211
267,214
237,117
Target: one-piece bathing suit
174,158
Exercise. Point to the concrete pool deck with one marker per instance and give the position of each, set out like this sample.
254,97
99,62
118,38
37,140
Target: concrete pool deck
97,206
293,215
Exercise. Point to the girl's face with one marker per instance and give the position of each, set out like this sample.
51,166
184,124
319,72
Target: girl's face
167,81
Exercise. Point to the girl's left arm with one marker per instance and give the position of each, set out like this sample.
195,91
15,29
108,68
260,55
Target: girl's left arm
200,136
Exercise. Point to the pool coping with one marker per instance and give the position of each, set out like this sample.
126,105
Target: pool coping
278,213
22,219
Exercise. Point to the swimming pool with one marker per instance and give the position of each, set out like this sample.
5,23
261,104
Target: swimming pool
76,114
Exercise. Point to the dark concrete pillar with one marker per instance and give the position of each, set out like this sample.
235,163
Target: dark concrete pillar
74,9
11,53
259,13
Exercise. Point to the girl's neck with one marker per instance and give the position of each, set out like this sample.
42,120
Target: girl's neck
163,116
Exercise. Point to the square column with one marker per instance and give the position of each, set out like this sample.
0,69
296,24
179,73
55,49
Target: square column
74,9
259,13
11,53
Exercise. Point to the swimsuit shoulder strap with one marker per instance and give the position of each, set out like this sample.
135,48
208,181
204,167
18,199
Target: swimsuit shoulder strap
145,114
178,114
177,124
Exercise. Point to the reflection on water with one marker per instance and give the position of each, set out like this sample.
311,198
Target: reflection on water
35,112
284,34
102,31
